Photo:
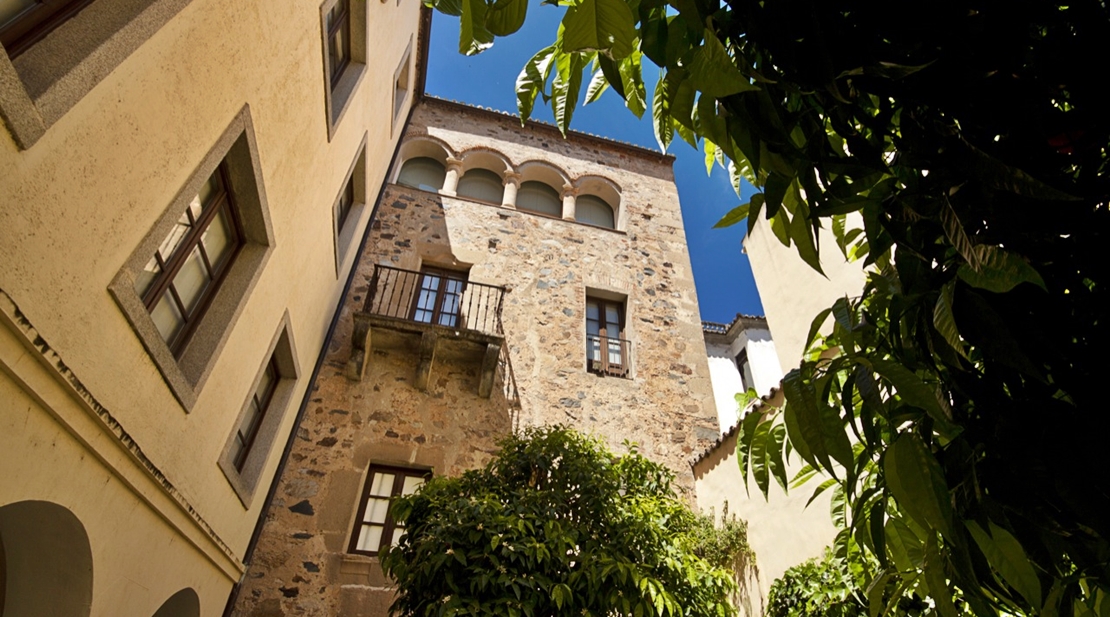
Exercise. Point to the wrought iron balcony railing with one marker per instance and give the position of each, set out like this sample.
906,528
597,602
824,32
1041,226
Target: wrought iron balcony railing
436,297
608,356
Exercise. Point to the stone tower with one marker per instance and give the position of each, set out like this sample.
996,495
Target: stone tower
509,278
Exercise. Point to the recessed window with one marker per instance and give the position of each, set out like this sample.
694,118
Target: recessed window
481,184
374,525
401,83
745,370
255,430
607,352
539,197
343,28
593,211
338,24
24,22
437,300
423,173
349,209
186,283
345,203
179,281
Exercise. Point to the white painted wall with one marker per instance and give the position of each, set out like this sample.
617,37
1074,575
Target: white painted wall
763,363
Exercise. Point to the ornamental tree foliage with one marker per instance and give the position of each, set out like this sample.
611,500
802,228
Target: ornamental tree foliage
557,524
959,414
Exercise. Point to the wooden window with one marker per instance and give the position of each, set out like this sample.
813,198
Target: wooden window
180,280
607,352
25,22
374,526
256,410
439,296
345,204
339,39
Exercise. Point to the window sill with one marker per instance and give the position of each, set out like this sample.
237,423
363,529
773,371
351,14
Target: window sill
339,97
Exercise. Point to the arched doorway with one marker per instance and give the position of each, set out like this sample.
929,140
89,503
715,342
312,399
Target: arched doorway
184,603
45,561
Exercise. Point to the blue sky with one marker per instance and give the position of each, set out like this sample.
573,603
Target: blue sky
721,271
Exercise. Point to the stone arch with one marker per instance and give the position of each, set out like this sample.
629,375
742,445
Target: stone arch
46,566
601,190
542,171
422,147
184,603
483,175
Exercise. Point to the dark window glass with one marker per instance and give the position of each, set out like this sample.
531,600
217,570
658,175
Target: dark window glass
179,281
745,369
606,351
339,39
256,411
594,211
374,527
539,197
482,184
422,173
25,22
345,203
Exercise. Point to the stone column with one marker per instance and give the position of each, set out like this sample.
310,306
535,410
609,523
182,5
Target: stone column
512,184
451,181
569,194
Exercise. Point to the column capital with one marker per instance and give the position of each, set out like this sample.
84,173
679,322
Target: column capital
454,164
570,189
512,177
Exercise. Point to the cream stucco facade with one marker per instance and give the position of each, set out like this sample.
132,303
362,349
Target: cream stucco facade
109,440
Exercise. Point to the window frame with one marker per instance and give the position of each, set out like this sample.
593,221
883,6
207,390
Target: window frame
602,366
341,84
441,293
341,23
186,373
253,422
223,201
244,471
388,525
345,231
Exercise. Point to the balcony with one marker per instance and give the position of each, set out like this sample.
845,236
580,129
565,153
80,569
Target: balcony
436,314
608,356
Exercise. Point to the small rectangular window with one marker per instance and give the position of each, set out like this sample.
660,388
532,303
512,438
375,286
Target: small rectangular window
437,299
607,352
374,525
745,369
257,407
343,39
349,210
401,83
338,23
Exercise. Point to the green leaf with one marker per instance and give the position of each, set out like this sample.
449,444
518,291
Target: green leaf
774,455
612,73
474,38
917,393
598,86
802,399
532,80
874,593
449,7
682,102
744,442
565,87
760,466
802,233
506,16
710,155
916,481
945,321
1008,558
733,217
780,225
936,580
903,544
605,26
633,80
815,326
713,73
1000,272
956,235
661,113
821,488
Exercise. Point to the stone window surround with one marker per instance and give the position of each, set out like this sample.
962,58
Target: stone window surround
346,239
337,99
284,352
43,83
408,469
620,298
187,375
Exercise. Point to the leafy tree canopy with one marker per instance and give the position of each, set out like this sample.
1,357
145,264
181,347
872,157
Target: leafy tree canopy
557,524
960,413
